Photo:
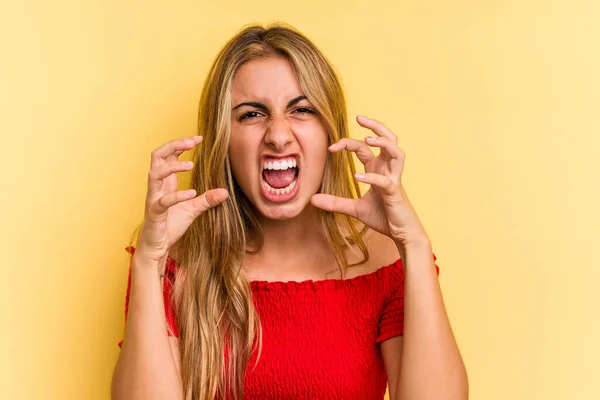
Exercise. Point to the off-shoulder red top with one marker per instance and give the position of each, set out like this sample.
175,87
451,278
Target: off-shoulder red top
321,339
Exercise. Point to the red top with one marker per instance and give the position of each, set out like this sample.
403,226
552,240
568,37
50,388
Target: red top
321,339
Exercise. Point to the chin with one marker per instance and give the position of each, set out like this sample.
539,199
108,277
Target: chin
282,212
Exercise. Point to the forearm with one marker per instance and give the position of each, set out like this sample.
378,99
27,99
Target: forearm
146,368
431,366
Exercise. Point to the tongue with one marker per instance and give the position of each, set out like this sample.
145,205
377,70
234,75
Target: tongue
279,178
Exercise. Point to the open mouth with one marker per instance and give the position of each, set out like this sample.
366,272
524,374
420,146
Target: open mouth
280,178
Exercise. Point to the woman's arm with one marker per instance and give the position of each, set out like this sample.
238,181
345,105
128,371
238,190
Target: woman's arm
147,367
431,366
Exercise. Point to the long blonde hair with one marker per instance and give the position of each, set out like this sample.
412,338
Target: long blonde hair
211,297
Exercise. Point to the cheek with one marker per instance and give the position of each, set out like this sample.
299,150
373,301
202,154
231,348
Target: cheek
315,141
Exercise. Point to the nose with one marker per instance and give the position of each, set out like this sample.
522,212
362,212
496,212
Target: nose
279,133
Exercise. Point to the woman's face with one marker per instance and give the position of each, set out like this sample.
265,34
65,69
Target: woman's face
278,145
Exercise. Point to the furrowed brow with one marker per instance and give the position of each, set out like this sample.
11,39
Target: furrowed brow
295,101
255,104
263,107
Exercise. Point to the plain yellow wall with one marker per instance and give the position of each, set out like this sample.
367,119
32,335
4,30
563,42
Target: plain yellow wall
496,103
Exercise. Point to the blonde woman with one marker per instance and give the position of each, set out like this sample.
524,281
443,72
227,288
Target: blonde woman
273,278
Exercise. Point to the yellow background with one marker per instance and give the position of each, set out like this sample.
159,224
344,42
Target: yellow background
497,104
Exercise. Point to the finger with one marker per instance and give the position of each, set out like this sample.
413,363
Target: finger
209,199
362,151
377,127
331,203
157,174
169,200
382,182
174,147
389,147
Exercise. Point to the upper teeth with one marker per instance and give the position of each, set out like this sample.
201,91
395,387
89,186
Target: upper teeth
277,165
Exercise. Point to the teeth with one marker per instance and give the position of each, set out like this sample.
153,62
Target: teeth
284,190
279,165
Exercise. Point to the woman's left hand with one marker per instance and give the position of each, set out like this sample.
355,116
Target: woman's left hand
385,207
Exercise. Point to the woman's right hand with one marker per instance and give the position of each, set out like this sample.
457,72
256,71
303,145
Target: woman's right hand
170,212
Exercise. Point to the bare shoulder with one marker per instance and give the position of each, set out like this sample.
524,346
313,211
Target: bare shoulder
382,252
382,249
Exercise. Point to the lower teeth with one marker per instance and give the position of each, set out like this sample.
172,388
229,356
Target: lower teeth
281,191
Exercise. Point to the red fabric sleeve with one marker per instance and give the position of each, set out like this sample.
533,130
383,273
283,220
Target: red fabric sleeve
391,323
167,286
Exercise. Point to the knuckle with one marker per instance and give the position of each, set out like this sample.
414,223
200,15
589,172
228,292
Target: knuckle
160,203
209,198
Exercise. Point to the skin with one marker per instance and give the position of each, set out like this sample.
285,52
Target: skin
278,129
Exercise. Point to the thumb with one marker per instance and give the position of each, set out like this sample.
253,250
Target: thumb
331,203
209,199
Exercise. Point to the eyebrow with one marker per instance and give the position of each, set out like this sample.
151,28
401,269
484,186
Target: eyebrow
263,107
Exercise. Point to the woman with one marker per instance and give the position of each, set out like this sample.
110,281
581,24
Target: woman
280,280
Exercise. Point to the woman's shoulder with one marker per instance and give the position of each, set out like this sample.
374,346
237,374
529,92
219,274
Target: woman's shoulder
382,252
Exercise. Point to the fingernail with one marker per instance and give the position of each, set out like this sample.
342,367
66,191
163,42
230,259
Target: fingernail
360,176
370,139
362,118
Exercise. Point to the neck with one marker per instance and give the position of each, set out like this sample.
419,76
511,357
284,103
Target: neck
285,237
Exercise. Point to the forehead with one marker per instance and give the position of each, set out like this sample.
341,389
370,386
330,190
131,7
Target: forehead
267,79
